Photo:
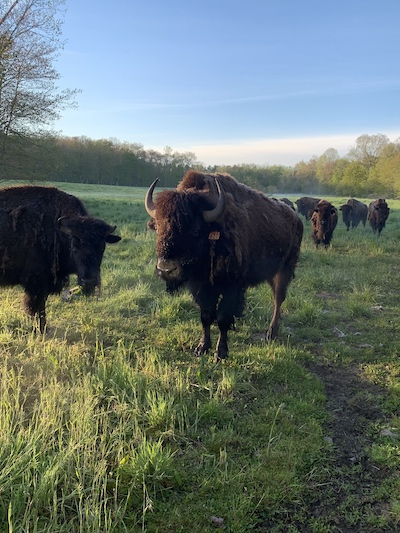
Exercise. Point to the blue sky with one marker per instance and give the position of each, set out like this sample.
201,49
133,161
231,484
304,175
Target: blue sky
250,81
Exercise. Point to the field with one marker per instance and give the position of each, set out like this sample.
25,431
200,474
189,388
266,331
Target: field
108,423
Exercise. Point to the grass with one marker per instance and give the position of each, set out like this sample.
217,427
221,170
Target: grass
109,424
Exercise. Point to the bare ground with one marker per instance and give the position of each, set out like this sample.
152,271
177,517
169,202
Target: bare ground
341,503
354,405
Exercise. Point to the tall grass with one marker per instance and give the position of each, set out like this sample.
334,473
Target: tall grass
109,424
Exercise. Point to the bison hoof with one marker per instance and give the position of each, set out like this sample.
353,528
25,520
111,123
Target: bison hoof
270,336
219,356
201,349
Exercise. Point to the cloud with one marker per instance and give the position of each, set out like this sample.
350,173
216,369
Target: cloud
284,151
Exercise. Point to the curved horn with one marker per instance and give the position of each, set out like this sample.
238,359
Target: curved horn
148,201
216,212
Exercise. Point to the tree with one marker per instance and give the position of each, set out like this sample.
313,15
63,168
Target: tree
368,149
354,180
30,41
326,165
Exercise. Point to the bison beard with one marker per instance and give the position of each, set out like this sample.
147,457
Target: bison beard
218,237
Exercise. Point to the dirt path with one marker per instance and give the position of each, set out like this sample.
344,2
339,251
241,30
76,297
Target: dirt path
349,493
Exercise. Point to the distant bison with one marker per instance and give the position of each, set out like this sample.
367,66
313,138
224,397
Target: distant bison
288,202
354,212
323,222
378,212
46,235
220,237
305,206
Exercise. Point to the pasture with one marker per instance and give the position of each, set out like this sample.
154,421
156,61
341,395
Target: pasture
110,425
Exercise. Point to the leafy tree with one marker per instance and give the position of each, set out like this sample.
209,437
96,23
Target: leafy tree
306,175
326,165
385,176
354,180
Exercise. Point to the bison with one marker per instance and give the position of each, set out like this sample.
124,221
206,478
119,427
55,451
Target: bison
219,237
323,223
378,212
354,212
305,206
46,235
288,202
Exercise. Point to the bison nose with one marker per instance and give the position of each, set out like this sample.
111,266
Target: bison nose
168,269
166,266
89,285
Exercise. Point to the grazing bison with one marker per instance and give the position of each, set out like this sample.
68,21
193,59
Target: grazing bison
378,212
354,212
305,206
323,222
219,237
46,235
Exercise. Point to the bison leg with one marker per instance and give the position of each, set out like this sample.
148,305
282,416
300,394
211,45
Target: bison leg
279,287
231,305
36,308
206,298
207,318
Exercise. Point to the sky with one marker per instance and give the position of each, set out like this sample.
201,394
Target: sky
266,82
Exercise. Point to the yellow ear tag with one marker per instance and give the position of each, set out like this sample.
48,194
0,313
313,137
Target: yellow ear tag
214,235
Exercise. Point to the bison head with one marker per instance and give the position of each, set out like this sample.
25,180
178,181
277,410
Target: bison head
183,220
87,238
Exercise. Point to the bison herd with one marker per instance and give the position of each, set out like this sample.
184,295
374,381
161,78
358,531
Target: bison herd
215,236
324,216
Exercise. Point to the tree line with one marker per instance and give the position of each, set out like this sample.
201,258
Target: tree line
371,167
30,101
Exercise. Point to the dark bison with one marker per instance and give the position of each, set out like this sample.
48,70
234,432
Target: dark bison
46,235
288,202
378,212
323,223
305,206
219,237
354,212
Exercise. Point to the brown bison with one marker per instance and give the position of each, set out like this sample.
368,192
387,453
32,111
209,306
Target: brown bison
46,235
218,237
378,212
354,212
323,223
305,206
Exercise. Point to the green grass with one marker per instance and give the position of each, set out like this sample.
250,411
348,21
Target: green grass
109,424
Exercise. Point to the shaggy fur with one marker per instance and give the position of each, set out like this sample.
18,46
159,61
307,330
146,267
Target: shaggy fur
256,239
378,212
46,235
354,212
323,223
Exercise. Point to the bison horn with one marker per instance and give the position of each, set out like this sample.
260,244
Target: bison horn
213,214
148,201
